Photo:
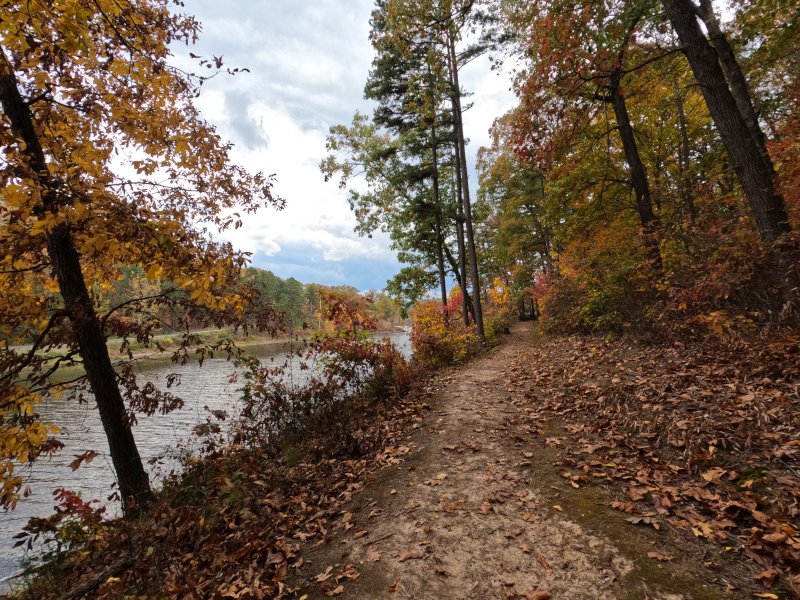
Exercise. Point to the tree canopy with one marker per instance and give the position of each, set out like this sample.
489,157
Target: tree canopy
107,163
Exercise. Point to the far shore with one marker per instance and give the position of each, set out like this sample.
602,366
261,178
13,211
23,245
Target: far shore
148,358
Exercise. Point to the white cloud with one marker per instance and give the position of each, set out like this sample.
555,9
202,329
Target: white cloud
308,64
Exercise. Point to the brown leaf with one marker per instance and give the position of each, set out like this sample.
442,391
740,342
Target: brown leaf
543,561
535,595
768,576
436,481
636,493
393,586
775,538
438,567
644,521
86,457
409,555
714,475
339,589
325,575
660,556
627,507
372,555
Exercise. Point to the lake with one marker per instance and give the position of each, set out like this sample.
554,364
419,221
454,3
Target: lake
202,388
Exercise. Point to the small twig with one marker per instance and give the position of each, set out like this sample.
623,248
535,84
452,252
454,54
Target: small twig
380,539
113,570
405,512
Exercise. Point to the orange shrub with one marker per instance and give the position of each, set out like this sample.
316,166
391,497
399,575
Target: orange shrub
438,335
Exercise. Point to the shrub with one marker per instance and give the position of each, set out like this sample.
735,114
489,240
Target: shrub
496,322
438,334
349,375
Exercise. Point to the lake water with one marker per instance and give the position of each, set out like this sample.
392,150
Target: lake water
157,436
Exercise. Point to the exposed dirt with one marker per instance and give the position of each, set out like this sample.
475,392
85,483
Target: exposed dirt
475,508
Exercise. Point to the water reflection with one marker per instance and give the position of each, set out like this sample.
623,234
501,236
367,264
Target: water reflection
157,437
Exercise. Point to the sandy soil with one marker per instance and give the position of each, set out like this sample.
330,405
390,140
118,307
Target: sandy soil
474,509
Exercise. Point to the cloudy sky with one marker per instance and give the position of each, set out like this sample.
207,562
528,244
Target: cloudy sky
308,62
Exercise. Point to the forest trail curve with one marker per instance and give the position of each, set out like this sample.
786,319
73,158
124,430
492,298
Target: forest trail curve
470,511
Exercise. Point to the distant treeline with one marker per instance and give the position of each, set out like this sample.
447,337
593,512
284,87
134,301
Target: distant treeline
300,303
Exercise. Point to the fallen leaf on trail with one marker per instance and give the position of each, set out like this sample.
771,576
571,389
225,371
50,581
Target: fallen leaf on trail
359,534
526,548
703,530
660,556
530,518
438,567
558,507
767,577
409,555
348,572
769,596
325,575
486,507
535,595
636,493
645,521
438,480
714,475
628,507
335,591
372,555
543,561
393,586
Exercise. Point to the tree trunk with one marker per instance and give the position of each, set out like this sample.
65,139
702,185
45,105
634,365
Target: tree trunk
440,263
437,208
473,257
641,186
462,255
133,483
455,267
736,80
758,183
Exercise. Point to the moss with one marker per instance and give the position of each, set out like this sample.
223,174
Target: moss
590,507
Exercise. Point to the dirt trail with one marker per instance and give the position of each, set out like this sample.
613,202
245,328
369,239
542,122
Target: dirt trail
475,510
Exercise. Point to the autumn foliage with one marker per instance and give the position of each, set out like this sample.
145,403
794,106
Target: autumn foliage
438,335
348,372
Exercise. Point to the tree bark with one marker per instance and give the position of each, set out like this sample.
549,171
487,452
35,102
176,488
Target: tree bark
461,277
639,182
462,153
466,307
736,80
440,262
132,479
438,226
758,183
